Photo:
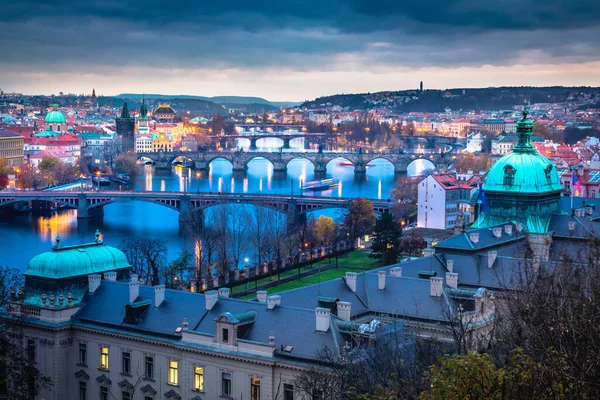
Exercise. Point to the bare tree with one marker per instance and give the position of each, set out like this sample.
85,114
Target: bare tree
258,226
148,257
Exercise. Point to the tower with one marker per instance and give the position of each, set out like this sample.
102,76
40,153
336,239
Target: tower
421,86
522,186
125,129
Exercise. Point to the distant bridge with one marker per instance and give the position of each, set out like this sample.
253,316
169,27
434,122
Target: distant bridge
90,203
280,160
286,138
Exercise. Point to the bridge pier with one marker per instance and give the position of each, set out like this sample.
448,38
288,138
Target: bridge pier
286,143
360,168
279,167
253,144
84,210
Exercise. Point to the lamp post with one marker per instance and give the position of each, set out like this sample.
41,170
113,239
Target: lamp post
248,272
198,174
98,178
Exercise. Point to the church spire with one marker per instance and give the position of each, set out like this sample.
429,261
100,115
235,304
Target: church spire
524,132
143,110
125,111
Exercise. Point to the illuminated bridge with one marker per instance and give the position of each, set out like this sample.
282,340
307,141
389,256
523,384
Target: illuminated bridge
90,203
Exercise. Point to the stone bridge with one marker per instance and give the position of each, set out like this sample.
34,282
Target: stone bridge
318,138
280,160
90,204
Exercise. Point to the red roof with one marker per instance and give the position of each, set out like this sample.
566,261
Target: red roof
451,181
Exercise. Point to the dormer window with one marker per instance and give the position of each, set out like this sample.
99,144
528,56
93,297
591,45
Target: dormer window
509,175
225,335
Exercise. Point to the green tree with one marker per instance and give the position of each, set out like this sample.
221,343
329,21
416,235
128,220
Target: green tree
386,244
360,218
323,230
180,267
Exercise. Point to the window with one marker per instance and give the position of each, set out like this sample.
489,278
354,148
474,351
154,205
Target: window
288,391
103,393
31,350
255,389
173,375
126,363
82,390
199,379
149,367
104,358
82,353
509,175
126,395
226,384
225,335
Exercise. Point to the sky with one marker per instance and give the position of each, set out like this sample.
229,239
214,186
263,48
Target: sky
295,50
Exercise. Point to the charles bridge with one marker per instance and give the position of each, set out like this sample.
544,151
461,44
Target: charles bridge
239,159
89,204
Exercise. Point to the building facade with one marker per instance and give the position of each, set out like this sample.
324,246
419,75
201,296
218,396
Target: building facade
11,146
444,200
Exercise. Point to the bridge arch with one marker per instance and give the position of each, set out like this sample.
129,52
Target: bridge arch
68,204
172,204
183,158
337,160
259,158
241,201
300,158
419,166
219,157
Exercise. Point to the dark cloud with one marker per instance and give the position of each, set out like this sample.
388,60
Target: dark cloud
87,36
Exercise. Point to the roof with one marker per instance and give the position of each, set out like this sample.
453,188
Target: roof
5,133
55,117
74,261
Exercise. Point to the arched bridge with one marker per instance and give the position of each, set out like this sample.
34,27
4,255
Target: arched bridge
90,203
286,139
280,160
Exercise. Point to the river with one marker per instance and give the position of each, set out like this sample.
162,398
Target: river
22,236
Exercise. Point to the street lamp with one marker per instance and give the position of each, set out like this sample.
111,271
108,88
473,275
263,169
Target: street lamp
98,178
198,174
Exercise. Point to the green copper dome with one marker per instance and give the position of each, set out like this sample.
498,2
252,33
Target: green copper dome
55,116
524,170
73,261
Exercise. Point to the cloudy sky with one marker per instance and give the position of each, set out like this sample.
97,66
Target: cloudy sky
295,49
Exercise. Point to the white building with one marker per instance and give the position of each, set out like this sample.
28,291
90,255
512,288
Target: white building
143,143
503,144
475,142
443,197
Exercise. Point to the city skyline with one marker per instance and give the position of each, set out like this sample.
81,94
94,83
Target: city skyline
295,52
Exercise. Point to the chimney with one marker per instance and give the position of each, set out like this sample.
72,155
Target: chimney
492,254
396,271
497,231
224,292
322,315
381,280
351,280
94,282
134,290
571,225
508,229
474,237
273,301
452,280
343,310
589,210
429,251
436,283
211,296
159,295
450,265
110,276
261,296
133,278
519,226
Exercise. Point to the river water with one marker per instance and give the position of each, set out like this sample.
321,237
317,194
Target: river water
22,236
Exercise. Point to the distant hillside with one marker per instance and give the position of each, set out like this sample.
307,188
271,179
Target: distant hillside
225,100
455,99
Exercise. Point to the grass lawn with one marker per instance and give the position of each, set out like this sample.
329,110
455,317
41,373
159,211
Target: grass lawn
356,261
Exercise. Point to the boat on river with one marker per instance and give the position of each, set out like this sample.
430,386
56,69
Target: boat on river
323,184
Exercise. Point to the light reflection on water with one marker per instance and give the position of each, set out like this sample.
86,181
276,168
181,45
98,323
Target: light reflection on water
23,236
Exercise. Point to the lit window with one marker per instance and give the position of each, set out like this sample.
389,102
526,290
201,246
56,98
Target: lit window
254,389
104,358
173,375
226,384
199,379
